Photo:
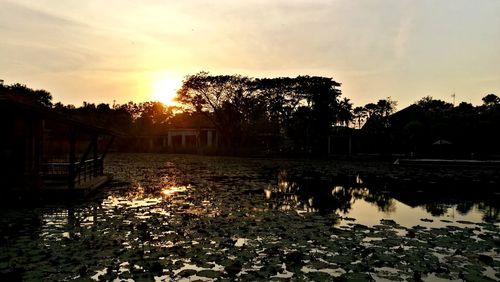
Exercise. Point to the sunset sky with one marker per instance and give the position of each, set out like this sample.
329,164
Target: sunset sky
116,50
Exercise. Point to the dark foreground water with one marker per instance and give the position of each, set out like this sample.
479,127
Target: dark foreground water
188,218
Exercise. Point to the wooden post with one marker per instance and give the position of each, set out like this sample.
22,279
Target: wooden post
350,144
209,138
78,168
198,142
72,159
36,131
329,150
104,152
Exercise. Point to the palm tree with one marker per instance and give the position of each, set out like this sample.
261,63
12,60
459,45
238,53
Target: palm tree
360,114
345,115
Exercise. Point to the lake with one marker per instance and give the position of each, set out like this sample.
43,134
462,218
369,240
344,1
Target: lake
187,218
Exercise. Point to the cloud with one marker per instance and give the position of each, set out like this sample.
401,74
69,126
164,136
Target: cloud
37,40
373,47
17,16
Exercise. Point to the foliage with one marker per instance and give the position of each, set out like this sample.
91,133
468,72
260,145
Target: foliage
377,114
472,131
295,115
491,100
40,96
244,109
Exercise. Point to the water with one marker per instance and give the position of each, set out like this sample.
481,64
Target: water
357,201
171,217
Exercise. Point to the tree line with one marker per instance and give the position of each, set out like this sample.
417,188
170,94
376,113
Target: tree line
431,126
293,115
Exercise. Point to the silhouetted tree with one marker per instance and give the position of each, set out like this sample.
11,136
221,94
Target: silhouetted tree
345,114
491,100
322,95
464,107
155,112
294,113
430,104
235,103
360,114
40,97
378,113
226,100
371,109
385,107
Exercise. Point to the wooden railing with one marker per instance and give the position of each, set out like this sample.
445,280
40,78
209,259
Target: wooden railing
82,171
88,169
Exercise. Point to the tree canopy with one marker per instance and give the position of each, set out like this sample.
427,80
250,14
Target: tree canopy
292,114
243,108
40,96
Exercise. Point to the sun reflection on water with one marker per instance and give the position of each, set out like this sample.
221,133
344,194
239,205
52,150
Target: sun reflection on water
173,189
136,192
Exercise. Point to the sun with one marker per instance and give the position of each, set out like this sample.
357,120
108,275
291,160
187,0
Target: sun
165,90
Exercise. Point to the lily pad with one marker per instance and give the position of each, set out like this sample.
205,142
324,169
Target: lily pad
187,272
209,273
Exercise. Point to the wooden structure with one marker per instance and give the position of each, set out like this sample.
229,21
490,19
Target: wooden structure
42,150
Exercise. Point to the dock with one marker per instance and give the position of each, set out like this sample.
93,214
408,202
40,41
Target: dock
89,178
45,152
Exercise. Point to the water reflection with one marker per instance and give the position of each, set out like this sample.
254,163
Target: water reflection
214,223
341,194
173,189
321,195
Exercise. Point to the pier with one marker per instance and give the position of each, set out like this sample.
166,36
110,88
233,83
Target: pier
46,152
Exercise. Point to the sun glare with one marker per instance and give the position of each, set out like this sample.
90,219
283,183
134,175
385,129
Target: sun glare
164,90
171,190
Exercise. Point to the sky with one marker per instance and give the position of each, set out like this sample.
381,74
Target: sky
119,51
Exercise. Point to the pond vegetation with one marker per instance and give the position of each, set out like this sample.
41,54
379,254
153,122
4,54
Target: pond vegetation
189,218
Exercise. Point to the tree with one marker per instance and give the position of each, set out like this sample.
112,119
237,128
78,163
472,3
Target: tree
280,97
321,96
205,92
465,107
225,99
378,113
430,104
40,97
386,106
371,109
155,112
345,114
491,100
360,114
236,104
